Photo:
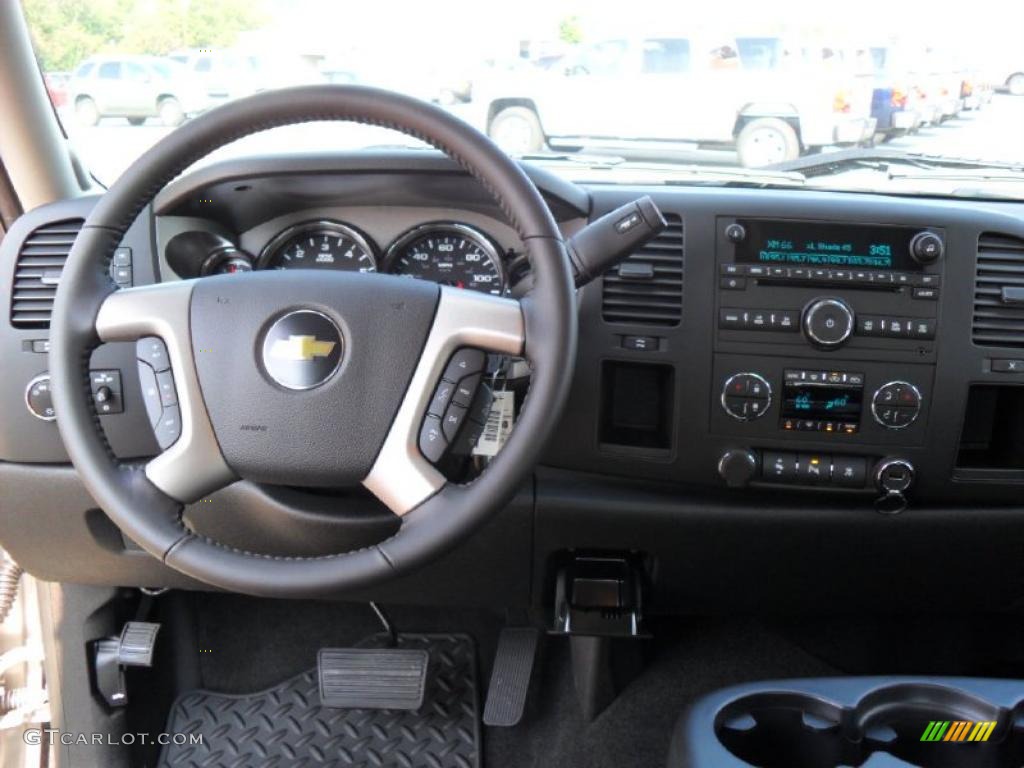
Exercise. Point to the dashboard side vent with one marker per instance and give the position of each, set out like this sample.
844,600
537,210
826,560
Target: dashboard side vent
647,287
37,271
999,291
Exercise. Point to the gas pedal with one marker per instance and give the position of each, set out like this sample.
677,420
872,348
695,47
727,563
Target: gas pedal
510,678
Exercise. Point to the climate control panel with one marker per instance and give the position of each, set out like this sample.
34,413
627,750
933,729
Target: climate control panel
853,402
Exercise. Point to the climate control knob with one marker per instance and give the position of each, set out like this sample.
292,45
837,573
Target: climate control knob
828,322
746,396
896,405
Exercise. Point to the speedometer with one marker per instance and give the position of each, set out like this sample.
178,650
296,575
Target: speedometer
449,254
320,245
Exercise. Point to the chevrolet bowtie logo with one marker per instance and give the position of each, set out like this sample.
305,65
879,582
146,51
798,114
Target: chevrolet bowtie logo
301,348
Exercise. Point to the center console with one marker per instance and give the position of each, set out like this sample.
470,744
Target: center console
824,332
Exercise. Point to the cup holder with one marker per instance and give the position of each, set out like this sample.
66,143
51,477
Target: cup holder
922,724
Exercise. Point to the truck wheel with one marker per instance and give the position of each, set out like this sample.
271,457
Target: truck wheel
765,141
517,131
171,113
1016,84
86,111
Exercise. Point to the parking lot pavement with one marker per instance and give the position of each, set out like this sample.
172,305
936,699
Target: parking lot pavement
996,132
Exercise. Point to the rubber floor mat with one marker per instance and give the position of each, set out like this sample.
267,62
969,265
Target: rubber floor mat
285,726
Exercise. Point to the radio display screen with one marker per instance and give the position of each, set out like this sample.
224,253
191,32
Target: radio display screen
836,246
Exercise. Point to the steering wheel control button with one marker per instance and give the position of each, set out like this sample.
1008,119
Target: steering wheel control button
152,351
106,391
926,247
165,383
302,349
38,398
432,440
168,429
453,420
746,396
466,390
441,398
849,471
150,393
894,475
828,322
896,405
463,363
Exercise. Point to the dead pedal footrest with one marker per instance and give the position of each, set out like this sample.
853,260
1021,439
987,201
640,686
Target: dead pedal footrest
372,678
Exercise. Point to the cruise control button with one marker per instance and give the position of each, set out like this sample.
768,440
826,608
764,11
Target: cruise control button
152,350
849,471
466,389
165,382
442,396
168,429
452,421
432,440
464,362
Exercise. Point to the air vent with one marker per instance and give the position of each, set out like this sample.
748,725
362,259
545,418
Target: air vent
647,288
40,263
999,292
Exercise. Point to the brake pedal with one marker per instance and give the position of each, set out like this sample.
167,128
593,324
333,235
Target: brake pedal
510,677
372,678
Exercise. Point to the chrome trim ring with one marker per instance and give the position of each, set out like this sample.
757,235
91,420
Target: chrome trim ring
28,388
818,304
479,238
401,477
193,466
265,351
917,410
884,464
725,389
272,247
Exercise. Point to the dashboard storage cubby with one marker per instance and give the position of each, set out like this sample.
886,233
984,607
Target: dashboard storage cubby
828,723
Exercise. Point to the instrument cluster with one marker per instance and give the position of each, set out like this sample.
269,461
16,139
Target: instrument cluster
444,252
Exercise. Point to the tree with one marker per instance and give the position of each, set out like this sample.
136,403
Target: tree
67,31
570,30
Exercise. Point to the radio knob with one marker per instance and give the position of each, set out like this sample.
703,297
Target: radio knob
926,247
746,396
738,466
828,322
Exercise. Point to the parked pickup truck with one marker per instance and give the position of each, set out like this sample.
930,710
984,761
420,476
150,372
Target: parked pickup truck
769,100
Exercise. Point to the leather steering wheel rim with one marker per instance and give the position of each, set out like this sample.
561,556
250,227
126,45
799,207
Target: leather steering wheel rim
151,517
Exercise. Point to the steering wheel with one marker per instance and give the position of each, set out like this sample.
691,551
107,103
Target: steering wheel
308,378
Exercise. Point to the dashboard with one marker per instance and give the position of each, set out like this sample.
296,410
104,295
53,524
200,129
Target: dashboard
773,365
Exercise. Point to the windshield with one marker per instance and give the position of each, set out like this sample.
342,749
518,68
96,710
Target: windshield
673,93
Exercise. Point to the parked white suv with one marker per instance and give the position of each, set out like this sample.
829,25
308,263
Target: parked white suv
136,88
769,100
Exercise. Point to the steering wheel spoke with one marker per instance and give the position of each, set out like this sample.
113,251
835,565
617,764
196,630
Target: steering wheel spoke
402,477
192,464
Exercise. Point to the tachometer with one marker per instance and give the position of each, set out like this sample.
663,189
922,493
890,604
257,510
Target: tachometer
320,245
449,254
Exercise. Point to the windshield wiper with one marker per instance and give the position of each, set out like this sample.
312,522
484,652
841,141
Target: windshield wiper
670,172
881,159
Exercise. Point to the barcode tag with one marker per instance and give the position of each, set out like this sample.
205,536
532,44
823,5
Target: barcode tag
499,424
